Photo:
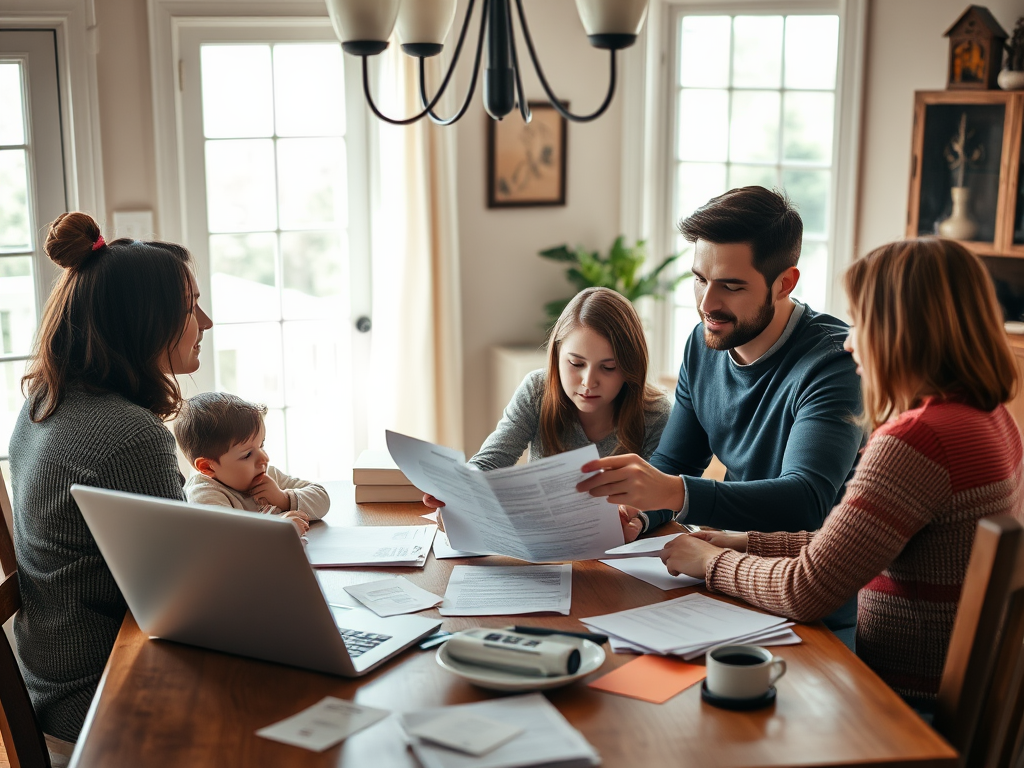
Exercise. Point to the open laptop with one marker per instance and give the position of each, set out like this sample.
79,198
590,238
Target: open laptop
237,582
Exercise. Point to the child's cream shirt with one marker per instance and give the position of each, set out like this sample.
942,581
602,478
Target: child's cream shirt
303,495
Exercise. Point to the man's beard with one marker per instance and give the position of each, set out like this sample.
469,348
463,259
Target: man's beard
742,332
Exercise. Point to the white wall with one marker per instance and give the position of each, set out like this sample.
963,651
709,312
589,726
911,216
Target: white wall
906,53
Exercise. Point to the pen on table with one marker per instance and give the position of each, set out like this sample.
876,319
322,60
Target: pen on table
592,637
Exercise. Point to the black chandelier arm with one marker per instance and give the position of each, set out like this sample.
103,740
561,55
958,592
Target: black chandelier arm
524,106
429,109
547,88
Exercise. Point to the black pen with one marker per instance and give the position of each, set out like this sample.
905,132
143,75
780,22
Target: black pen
594,638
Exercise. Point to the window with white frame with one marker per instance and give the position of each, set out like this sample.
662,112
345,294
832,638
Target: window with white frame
756,102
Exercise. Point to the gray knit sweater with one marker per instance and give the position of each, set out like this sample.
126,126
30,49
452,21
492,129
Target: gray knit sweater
519,428
71,607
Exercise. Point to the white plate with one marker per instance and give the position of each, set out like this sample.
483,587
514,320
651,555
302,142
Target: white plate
592,657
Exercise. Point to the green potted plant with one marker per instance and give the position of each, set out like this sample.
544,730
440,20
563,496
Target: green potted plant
620,270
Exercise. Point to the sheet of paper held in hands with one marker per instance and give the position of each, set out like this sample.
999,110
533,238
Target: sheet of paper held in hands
483,590
323,725
532,511
653,571
443,548
369,545
548,739
390,597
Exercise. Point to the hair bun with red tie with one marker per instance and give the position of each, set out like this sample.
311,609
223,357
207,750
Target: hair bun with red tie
73,238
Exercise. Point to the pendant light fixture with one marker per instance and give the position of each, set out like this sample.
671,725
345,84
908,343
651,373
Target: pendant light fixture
364,26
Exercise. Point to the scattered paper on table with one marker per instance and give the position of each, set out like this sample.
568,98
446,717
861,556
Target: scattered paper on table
431,516
443,548
484,590
390,597
653,571
641,547
334,546
323,725
464,731
651,678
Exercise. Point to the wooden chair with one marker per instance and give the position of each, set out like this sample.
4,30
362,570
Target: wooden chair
980,708
21,732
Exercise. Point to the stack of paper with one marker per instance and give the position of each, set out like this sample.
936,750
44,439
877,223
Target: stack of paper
541,736
378,479
332,546
480,590
690,625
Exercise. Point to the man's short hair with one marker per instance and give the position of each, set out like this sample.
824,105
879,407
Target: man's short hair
210,423
762,218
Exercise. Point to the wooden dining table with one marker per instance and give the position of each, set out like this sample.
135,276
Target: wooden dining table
163,704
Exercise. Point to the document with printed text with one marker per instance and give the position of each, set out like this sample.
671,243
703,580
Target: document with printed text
484,590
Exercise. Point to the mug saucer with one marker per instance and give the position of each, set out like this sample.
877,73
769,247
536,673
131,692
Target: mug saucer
724,702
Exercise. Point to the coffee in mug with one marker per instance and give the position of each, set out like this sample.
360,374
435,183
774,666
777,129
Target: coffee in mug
742,671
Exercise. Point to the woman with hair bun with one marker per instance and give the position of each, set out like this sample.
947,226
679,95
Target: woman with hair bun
123,319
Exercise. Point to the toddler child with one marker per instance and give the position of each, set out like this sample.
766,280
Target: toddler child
222,437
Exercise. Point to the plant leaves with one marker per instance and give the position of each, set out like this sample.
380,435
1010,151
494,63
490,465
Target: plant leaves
558,253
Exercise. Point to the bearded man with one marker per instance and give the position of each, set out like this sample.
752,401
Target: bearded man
765,385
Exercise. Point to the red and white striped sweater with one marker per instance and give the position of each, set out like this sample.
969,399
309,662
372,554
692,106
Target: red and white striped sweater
902,535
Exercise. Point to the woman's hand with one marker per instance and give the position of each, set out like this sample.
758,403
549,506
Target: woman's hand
430,501
632,525
266,491
689,555
737,541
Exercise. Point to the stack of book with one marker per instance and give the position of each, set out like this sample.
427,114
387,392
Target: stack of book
378,479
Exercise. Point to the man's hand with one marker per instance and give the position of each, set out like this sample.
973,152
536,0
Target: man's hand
629,480
689,554
632,525
266,491
430,501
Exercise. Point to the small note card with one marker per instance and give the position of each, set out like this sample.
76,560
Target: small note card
323,725
465,732
390,597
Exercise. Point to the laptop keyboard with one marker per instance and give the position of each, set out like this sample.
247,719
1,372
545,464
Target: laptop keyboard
359,643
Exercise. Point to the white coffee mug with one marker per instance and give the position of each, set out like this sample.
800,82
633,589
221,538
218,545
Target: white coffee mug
742,671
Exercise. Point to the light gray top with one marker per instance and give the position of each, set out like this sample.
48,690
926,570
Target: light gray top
519,429
303,495
71,606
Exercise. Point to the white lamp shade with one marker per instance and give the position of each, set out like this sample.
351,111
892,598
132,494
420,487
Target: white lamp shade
356,20
425,21
612,17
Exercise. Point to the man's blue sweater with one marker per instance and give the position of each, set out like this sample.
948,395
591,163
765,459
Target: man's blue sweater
783,426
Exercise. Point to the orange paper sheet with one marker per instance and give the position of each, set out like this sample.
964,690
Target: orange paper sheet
651,678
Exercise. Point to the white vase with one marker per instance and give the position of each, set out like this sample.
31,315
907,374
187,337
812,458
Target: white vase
959,225
1010,80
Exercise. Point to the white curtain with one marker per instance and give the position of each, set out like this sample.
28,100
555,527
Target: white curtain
417,334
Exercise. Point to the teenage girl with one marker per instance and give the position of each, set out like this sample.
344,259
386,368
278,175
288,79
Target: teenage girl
594,390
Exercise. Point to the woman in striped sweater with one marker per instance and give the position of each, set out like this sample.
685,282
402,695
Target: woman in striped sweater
944,452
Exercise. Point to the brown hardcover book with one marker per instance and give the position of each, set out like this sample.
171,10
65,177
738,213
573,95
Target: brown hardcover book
376,467
367,494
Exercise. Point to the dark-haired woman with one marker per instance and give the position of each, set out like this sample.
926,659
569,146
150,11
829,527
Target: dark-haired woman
122,320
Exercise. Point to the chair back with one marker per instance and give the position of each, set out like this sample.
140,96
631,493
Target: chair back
19,728
980,708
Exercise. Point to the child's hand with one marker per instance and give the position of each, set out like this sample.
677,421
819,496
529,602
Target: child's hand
299,520
266,491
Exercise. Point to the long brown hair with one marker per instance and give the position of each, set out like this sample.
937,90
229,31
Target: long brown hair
928,323
613,316
112,319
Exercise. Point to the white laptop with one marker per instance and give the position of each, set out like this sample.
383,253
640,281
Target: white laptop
237,582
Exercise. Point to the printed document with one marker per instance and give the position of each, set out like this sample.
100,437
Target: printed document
390,597
484,590
532,512
331,545
653,571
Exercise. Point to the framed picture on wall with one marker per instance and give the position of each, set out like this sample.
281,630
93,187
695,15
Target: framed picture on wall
526,163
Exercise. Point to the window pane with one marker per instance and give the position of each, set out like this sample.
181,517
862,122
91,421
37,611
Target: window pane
238,96
812,47
683,296
757,52
276,442
315,267
11,399
703,125
14,227
697,183
809,191
312,184
685,320
242,271
17,305
304,105
240,195
807,126
704,52
753,176
813,267
320,442
12,119
754,130
249,361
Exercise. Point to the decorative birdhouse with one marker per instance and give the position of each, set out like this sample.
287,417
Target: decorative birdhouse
975,49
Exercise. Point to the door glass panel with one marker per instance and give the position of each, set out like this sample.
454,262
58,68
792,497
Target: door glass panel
703,125
17,305
238,98
757,52
311,183
240,185
14,216
12,117
704,53
812,49
315,275
304,105
242,274
754,130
